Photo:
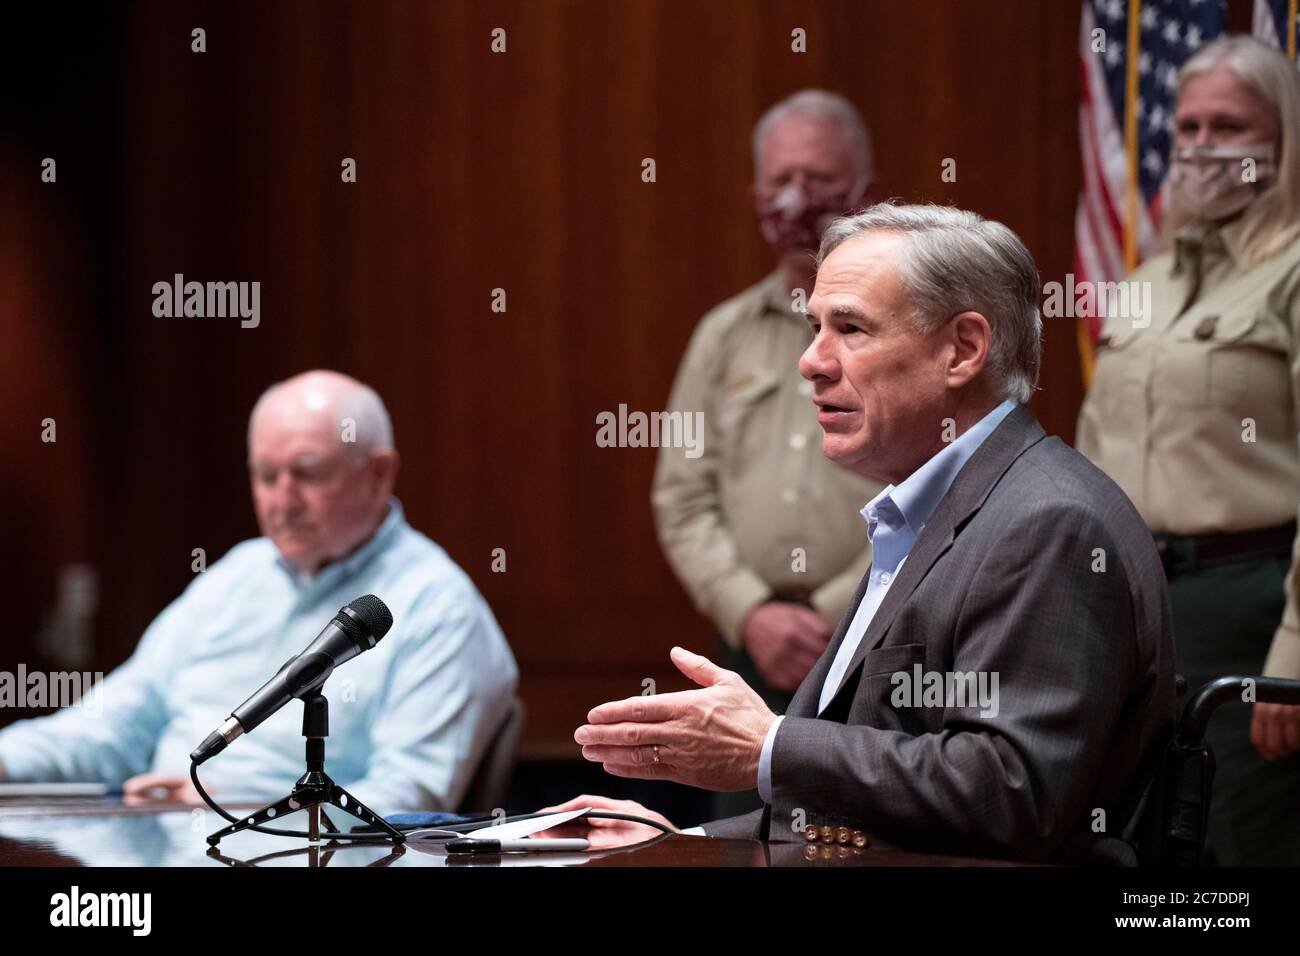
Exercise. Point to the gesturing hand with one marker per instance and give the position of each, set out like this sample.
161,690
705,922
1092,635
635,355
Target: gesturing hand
709,738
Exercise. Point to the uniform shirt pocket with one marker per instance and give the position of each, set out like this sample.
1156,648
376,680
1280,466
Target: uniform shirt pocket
1246,367
1202,365
1117,375
742,395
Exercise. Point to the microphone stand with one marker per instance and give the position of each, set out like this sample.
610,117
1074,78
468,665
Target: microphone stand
314,789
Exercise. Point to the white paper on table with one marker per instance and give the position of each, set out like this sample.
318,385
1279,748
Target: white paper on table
523,828
500,831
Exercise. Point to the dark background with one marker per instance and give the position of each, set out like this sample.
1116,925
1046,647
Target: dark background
475,171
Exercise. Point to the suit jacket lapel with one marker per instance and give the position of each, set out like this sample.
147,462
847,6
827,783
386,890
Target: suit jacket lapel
1017,432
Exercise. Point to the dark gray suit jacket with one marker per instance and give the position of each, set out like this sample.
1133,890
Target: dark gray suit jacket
1034,567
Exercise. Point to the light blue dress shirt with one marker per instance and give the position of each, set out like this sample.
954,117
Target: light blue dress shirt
894,519
409,719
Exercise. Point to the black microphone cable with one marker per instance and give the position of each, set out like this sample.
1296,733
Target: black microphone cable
378,836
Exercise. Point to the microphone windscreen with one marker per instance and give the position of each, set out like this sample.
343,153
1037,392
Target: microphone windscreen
374,614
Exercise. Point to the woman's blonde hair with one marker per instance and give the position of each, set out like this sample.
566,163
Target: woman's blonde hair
1272,221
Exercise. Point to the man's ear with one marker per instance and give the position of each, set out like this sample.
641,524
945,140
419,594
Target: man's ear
383,466
970,337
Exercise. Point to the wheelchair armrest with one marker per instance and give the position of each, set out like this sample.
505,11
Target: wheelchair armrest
1197,713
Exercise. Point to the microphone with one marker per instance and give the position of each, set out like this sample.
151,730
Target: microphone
358,626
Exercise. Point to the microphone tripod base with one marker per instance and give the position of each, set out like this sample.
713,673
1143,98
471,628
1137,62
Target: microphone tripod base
312,793
315,789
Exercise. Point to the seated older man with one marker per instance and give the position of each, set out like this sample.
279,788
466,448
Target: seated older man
409,720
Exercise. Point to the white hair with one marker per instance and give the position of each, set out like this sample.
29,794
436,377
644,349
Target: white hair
958,261
826,105
349,399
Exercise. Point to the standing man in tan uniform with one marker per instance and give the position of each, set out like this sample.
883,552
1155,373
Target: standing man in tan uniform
1194,410
762,529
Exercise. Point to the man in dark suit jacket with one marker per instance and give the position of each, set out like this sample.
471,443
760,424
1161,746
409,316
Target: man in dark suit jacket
1004,677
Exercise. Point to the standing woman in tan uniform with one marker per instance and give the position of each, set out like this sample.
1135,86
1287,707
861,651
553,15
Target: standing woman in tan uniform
1194,410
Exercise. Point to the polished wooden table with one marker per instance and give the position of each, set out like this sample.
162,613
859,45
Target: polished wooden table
66,832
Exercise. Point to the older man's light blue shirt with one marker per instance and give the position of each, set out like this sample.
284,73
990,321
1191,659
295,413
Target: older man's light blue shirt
894,519
409,719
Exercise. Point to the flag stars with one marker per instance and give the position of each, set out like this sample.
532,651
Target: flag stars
1169,76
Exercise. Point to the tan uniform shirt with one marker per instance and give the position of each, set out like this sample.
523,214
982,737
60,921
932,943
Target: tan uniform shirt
730,521
1195,416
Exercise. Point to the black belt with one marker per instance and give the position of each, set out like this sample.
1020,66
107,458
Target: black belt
1187,552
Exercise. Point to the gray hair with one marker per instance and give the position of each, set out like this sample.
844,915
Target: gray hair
826,105
350,400
958,261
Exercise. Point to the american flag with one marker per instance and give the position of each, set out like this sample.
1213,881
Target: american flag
1270,24
1169,31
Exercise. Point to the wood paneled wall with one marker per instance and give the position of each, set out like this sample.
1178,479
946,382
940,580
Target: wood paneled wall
476,171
